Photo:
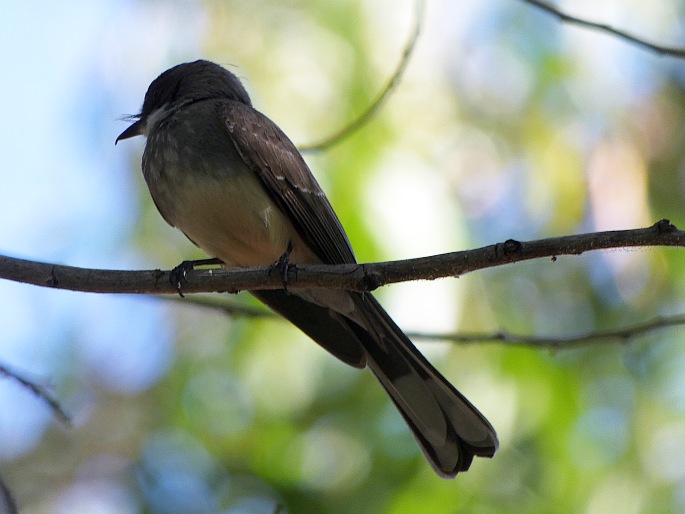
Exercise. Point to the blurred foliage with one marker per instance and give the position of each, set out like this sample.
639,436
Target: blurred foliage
507,125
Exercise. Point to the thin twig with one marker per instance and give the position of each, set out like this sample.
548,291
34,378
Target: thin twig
6,499
370,112
623,335
232,309
566,18
40,391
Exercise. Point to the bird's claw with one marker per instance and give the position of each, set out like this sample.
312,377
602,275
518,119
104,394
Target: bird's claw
282,265
179,274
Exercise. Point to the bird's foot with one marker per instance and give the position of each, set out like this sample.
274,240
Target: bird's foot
283,264
178,275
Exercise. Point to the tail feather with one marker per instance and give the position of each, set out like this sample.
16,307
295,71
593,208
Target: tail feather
448,428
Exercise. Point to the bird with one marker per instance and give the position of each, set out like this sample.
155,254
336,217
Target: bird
231,180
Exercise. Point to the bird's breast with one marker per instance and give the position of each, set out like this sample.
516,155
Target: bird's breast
219,203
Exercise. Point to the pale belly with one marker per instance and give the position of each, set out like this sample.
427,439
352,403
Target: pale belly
230,218
234,220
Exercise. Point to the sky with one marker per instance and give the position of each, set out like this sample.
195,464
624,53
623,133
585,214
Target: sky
72,73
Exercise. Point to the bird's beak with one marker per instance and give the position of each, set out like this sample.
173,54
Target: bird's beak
134,130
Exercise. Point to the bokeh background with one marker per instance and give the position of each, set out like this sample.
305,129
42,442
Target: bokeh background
507,124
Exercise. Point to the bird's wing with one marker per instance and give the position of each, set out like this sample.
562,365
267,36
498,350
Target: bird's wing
448,428
287,179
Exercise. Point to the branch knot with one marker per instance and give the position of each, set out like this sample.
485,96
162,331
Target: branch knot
664,227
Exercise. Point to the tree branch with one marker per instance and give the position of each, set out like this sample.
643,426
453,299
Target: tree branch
372,109
6,499
566,18
354,277
622,335
40,391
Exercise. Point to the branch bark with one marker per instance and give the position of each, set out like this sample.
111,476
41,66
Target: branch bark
355,277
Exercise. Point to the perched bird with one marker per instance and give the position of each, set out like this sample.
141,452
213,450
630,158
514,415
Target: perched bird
237,187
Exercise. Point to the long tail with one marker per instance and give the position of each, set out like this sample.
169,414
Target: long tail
448,428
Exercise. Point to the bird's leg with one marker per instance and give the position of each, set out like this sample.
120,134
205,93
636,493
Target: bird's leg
282,265
178,275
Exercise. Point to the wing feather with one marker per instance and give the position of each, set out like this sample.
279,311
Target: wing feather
288,180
